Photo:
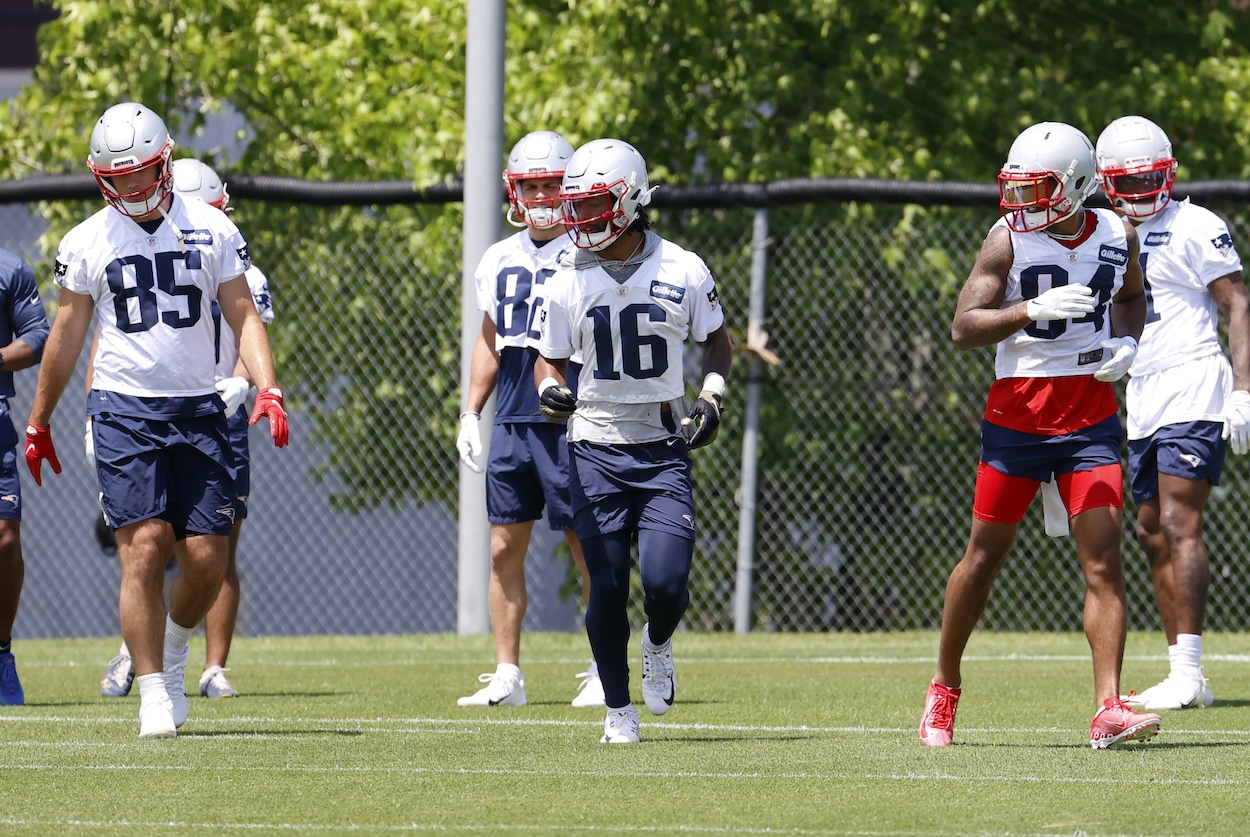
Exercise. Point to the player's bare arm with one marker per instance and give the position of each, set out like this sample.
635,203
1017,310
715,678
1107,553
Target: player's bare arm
547,368
718,353
60,353
1128,309
483,367
980,320
1234,304
235,300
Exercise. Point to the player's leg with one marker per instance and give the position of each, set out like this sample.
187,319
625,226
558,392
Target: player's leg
143,549
550,451
219,626
12,567
514,500
998,506
12,574
607,623
220,622
1190,459
1094,497
509,543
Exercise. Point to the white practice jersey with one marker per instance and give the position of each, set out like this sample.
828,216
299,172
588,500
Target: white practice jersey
511,279
228,344
153,295
1184,248
631,335
1058,348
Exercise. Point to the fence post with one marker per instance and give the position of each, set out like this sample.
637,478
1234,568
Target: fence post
483,140
750,436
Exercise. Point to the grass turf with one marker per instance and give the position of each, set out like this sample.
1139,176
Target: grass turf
771,734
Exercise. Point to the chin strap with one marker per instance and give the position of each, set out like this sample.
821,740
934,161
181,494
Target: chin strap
161,209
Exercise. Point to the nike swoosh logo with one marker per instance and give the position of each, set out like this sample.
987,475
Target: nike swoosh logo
671,694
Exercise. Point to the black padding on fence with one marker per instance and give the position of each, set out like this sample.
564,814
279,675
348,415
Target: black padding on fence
700,196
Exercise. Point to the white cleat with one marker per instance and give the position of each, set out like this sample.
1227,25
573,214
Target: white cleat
659,678
500,690
213,684
621,726
156,719
590,690
176,685
1177,691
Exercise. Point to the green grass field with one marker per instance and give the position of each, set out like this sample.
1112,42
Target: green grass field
771,734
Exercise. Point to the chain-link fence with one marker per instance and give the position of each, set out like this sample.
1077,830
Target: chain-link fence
867,431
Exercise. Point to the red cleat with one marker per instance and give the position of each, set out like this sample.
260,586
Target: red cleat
1117,722
937,727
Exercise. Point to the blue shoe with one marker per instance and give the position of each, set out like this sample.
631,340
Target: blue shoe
11,692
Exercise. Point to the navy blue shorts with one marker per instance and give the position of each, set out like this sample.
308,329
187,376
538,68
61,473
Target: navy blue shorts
179,471
10,485
1194,450
617,487
1035,457
527,469
236,432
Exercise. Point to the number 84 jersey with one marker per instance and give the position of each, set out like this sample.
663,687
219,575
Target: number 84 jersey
153,295
1098,257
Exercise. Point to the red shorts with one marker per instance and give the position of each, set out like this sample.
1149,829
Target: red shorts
1001,498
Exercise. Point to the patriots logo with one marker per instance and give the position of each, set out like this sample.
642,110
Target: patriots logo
60,271
1223,243
1192,460
713,299
244,255
11,499
228,512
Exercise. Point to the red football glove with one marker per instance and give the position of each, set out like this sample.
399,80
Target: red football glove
38,448
268,404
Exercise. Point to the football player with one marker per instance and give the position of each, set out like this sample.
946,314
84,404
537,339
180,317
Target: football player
195,180
23,332
527,466
148,267
1057,289
626,301
1187,404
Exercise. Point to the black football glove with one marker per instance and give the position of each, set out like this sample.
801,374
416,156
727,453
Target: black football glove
556,403
703,423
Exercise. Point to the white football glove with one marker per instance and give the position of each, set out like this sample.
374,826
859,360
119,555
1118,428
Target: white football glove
1123,350
89,445
469,442
233,391
1237,422
1062,303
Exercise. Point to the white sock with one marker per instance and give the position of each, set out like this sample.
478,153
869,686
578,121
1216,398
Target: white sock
1188,657
508,670
176,637
152,687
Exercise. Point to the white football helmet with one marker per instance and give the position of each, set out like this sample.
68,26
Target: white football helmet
603,167
198,181
1135,166
541,154
129,138
1047,177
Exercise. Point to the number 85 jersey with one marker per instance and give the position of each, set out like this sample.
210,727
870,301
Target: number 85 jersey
630,333
1098,257
153,295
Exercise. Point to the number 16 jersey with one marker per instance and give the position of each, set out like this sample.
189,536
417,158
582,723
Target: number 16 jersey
153,295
